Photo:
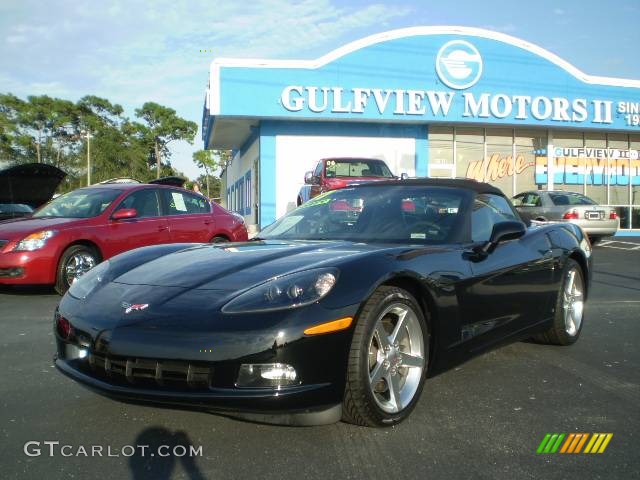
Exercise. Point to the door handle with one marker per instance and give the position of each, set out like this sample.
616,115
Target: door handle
208,222
163,228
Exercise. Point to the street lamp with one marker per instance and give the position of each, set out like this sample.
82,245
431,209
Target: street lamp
87,134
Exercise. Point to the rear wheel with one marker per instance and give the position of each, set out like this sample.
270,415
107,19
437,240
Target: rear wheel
569,311
74,262
387,361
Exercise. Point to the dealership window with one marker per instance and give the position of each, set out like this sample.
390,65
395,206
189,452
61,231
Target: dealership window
441,153
634,144
595,181
469,147
246,200
530,148
515,160
564,178
499,162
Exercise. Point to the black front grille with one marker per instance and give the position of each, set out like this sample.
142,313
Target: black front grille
149,372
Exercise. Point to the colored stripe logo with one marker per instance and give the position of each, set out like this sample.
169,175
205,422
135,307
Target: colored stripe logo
574,443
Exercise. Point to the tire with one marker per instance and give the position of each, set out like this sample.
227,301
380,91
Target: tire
74,262
568,316
219,239
595,240
372,403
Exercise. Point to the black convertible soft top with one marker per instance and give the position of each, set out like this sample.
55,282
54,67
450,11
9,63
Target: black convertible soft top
479,187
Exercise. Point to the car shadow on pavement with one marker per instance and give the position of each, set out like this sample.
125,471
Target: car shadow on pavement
158,451
27,290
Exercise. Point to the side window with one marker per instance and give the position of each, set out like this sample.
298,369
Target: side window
518,200
529,199
488,210
144,201
182,203
318,171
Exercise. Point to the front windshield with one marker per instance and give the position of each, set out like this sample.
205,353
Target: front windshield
83,203
389,214
357,168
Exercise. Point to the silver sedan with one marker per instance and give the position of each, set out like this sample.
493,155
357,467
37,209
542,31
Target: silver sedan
541,205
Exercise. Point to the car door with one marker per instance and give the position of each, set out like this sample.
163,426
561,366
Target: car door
511,287
148,227
189,215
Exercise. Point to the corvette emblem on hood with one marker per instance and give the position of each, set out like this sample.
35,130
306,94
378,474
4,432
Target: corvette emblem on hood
133,307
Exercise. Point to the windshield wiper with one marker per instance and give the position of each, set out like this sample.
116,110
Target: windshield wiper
256,239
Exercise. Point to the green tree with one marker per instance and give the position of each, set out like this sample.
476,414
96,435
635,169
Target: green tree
205,159
163,126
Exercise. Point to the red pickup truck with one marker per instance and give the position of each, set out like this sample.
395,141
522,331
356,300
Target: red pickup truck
334,173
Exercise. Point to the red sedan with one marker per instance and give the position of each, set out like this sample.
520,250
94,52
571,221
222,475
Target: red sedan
71,234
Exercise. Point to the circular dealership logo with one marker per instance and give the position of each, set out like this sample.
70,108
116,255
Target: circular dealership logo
459,64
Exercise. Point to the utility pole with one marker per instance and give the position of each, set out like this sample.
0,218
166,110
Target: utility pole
87,134
157,151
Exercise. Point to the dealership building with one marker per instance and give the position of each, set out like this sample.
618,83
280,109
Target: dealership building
440,102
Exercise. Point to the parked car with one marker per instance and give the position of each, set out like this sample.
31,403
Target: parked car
73,233
26,187
333,173
541,205
341,309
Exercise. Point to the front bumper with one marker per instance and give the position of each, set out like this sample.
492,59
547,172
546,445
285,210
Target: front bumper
155,357
27,268
283,406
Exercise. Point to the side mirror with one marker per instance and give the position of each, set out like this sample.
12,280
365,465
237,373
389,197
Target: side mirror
404,176
507,230
124,214
502,232
308,176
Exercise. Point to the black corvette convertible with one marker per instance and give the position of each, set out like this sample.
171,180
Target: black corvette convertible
340,309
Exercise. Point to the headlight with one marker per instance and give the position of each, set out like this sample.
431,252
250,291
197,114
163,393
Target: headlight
289,291
35,241
87,283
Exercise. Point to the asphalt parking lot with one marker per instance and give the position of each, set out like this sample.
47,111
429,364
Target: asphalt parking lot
484,419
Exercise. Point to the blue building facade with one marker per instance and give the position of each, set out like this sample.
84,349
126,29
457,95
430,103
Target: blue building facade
430,101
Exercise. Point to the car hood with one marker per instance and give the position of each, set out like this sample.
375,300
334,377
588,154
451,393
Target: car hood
21,227
32,184
237,266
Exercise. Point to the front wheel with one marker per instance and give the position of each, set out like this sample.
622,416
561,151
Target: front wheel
219,239
387,361
74,262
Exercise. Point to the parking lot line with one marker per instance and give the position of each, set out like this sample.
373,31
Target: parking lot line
615,243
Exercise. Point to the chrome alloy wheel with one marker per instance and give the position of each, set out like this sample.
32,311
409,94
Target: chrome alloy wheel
396,357
77,265
573,301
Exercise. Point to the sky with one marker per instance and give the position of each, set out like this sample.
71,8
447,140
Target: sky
133,51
